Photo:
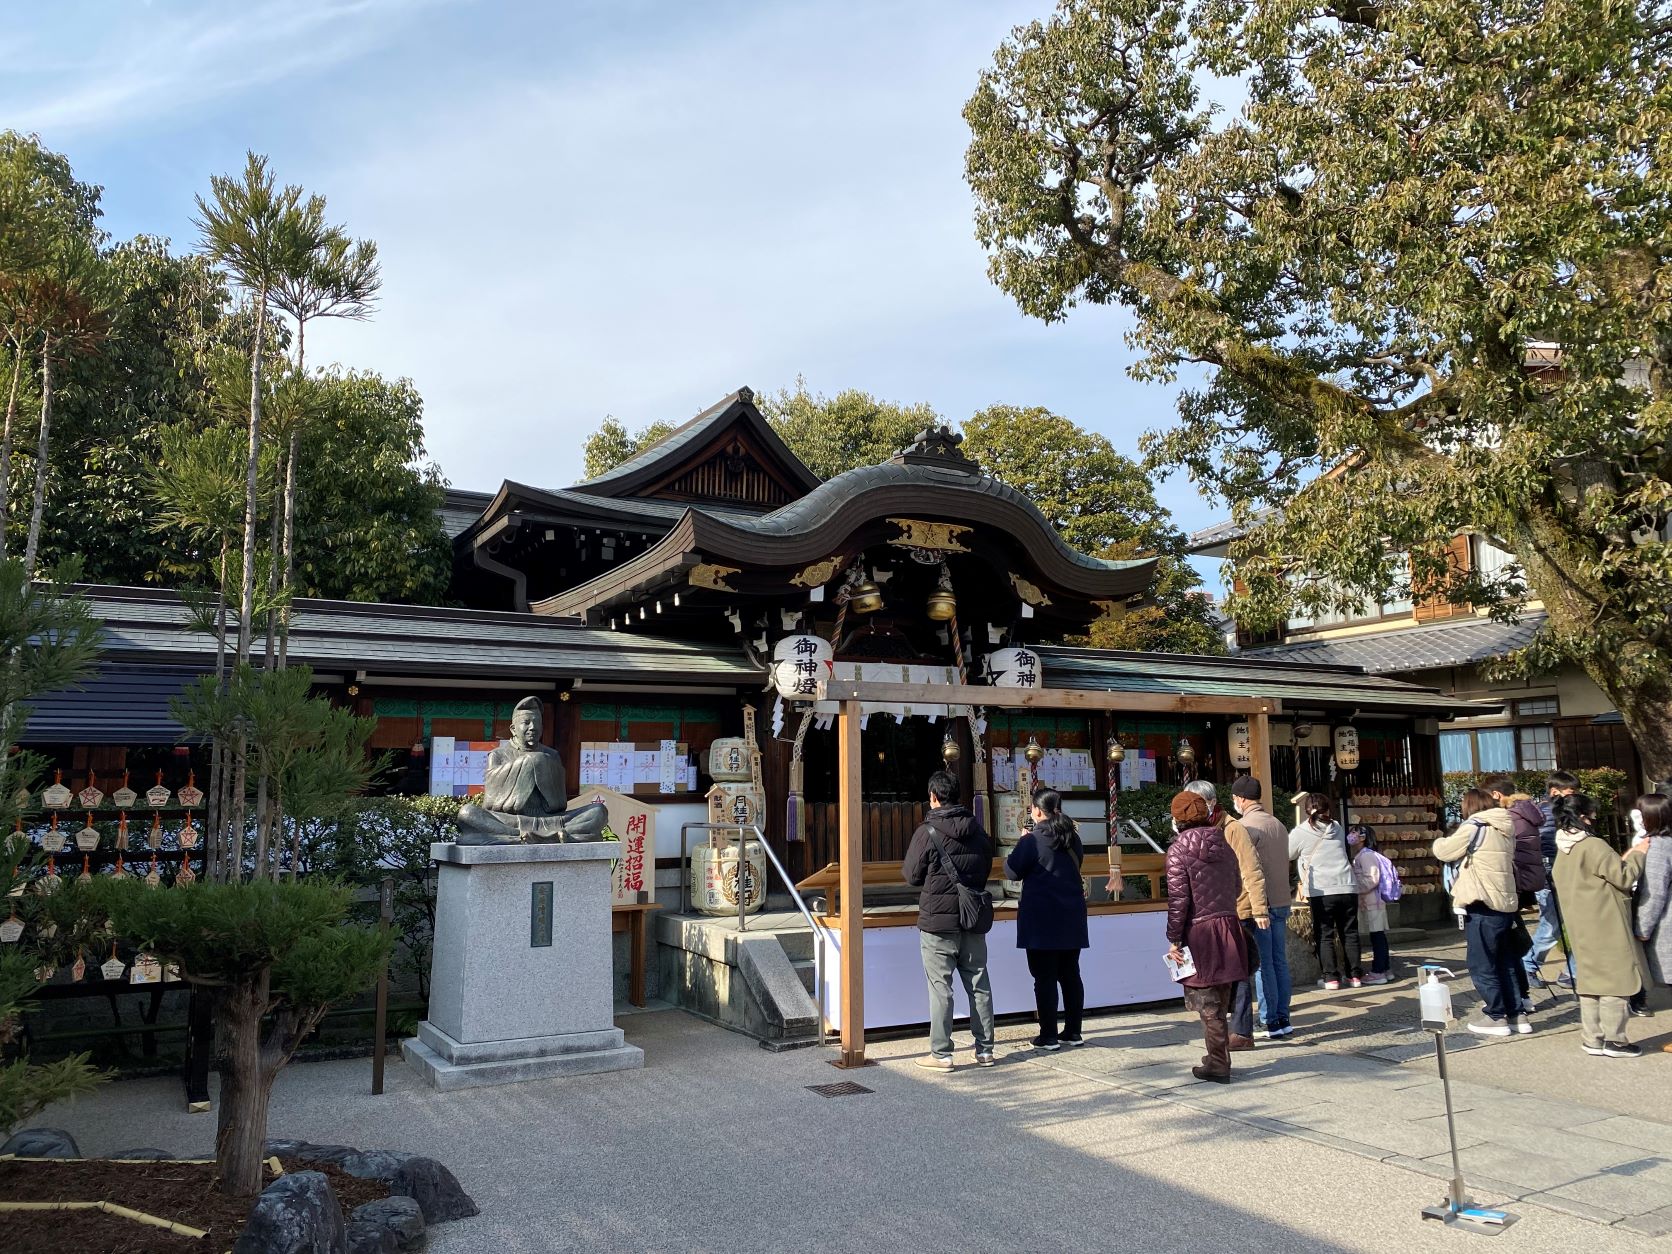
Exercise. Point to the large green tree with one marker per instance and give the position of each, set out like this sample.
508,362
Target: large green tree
852,428
611,444
1422,272
1102,503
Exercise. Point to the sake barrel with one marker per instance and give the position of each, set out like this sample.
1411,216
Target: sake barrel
728,760
718,876
739,803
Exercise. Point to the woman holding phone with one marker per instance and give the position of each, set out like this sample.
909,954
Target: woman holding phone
1051,918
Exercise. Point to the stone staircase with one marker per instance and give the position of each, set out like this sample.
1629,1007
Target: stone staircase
758,982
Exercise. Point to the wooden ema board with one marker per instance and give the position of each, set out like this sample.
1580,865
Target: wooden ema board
633,878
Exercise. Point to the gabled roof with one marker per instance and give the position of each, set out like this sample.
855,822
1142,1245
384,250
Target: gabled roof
692,439
1461,642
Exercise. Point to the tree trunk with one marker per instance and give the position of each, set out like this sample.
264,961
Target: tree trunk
240,804
246,617
289,545
6,444
246,1086
275,528
214,841
262,871
38,510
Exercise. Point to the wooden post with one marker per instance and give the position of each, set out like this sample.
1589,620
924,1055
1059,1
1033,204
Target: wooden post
380,1020
1259,753
849,770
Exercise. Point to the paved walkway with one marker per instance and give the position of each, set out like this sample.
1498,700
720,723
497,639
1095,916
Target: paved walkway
720,1145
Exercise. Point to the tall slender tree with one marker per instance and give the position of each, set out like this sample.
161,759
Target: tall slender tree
342,282
262,234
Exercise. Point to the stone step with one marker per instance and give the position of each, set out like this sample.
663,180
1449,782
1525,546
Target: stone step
805,968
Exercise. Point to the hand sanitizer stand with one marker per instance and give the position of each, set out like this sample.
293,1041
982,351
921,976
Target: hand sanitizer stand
1457,1208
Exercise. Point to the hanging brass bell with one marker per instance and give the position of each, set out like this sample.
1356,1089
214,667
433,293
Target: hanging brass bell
1187,754
866,598
1116,751
949,749
941,605
1034,753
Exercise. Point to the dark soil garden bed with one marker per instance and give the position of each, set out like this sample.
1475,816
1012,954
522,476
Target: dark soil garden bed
181,1192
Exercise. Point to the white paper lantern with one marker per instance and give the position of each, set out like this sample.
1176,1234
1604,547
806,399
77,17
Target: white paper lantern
1015,668
1241,742
1346,748
799,663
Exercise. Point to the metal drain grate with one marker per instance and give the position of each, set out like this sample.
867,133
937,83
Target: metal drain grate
842,1088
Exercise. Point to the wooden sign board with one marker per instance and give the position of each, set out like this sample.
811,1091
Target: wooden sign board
634,875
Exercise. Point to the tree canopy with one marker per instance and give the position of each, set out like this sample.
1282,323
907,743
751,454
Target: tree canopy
1422,272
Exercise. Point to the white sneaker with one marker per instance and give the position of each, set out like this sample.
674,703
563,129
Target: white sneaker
1376,977
932,1062
1489,1027
1520,1027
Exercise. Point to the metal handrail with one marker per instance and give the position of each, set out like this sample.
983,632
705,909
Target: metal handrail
817,928
1147,838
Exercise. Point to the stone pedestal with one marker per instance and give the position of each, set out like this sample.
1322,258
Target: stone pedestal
521,981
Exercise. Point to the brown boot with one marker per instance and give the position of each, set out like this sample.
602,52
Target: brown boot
1216,1035
1239,1043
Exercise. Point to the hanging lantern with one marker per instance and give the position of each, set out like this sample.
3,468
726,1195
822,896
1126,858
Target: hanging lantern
1034,753
1015,668
799,663
942,605
1115,751
1241,742
949,749
866,597
1346,748
1186,754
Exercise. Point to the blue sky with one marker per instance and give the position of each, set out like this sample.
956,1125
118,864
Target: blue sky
594,208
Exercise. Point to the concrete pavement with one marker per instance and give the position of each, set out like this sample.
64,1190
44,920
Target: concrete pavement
720,1145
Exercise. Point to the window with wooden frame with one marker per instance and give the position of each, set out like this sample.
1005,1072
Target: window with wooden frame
1431,608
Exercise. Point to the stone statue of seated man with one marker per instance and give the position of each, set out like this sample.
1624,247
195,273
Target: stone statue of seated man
526,798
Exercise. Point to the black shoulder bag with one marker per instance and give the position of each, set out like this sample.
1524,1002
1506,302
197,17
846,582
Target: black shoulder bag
975,907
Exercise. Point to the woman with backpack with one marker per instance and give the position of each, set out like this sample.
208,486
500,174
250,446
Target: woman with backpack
1482,855
1373,873
1051,917
1331,891
1594,886
1654,895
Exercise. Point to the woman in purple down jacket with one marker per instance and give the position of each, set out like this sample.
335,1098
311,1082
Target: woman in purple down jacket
1202,886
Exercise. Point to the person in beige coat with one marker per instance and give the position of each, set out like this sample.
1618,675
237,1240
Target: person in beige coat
1482,855
1594,885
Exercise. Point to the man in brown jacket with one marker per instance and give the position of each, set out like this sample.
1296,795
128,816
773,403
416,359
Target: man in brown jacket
1270,838
1251,908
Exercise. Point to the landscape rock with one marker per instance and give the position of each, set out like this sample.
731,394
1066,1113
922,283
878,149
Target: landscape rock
42,1143
435,1189
285,1148
147,1152
373,1164
390,1224
296,1214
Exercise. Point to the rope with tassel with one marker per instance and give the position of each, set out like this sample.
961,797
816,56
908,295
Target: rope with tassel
978,750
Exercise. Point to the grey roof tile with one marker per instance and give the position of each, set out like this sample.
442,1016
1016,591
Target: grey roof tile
1405,649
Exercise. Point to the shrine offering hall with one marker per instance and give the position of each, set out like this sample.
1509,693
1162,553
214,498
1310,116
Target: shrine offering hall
724,645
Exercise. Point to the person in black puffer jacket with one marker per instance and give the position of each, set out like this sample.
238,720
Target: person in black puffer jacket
947,947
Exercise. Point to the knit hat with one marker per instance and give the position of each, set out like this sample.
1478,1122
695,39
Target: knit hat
1189,810
1248,788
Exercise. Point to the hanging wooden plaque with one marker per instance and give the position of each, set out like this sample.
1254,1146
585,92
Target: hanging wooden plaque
78,968
191,796
158,796
52,840
146,970
45,972
87,839
154,837
48,883
86,876
90,797
153,878
119,869
124,798
11,931
121,832
188,833
113,967
171,972
185,875
56,796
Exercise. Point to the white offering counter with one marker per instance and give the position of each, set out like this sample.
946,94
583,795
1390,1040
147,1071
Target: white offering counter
1123,967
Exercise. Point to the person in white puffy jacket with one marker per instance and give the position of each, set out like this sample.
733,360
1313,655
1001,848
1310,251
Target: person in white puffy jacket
1372,910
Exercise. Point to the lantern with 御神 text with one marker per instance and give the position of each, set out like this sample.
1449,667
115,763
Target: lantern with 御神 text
799,663
1015,668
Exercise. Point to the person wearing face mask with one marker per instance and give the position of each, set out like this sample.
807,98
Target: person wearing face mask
1654,900
1594,884
1331,891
